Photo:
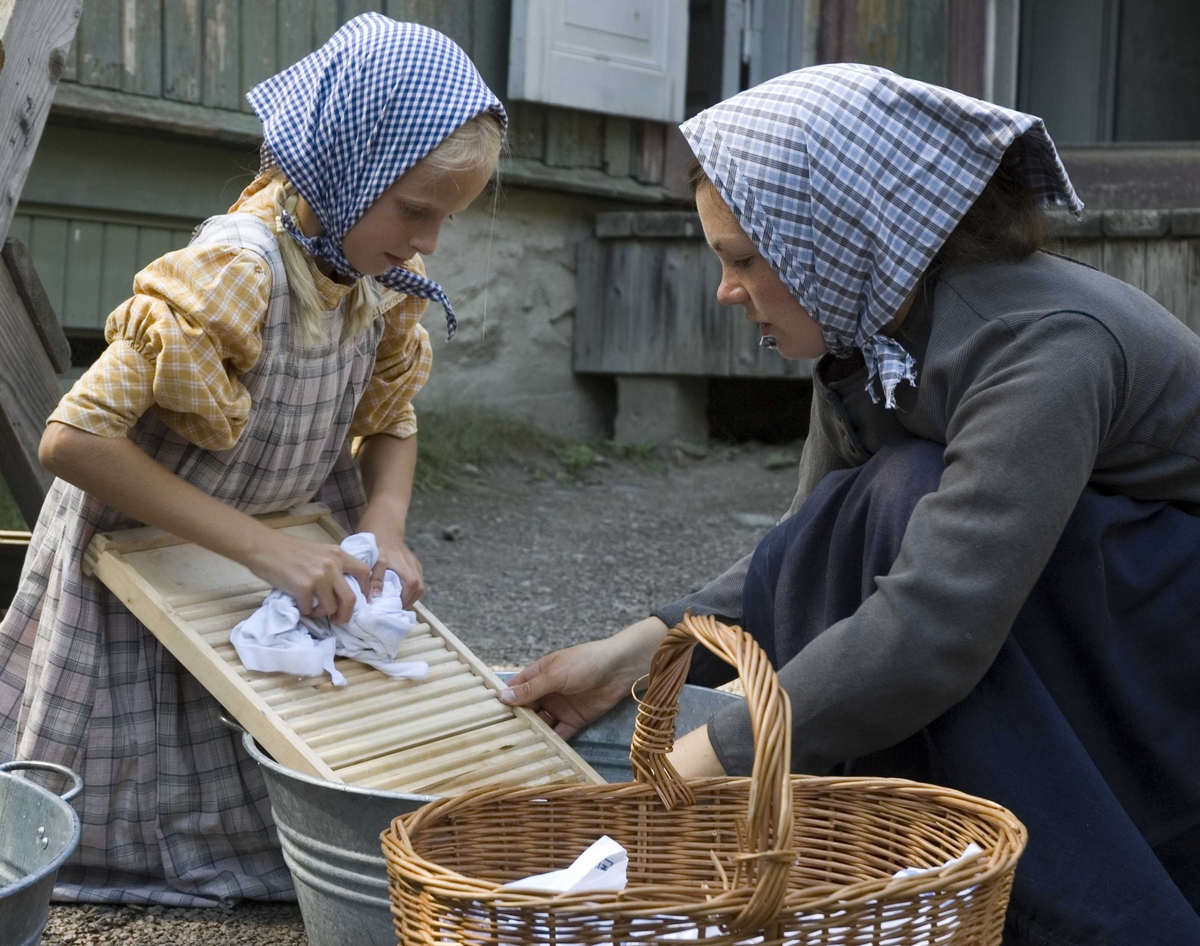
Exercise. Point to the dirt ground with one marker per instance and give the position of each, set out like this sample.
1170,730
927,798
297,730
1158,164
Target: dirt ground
518,562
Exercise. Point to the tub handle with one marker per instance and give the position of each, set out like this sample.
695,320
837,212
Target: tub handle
75,777
230,723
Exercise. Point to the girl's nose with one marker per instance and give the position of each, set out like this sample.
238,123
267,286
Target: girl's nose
731,292
425,242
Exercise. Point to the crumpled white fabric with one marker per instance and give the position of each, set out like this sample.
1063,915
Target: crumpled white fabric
277,639
600,868
603,866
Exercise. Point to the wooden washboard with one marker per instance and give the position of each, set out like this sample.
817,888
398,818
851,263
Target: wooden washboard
439,736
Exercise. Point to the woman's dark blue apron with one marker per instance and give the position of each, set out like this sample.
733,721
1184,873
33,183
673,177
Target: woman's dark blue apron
1087,726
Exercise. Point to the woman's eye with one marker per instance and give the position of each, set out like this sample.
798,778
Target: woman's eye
743,263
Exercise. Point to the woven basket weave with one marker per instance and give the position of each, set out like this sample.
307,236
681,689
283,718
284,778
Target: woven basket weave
773,858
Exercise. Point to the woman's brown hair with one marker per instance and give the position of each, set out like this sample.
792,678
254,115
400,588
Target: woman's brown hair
1006,222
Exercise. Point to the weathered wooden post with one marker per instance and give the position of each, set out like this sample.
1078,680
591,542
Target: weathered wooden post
34,38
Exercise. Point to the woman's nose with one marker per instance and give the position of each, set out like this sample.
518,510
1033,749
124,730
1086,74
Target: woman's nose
731,292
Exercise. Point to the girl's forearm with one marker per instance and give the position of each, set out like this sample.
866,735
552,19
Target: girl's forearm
387,464
119,474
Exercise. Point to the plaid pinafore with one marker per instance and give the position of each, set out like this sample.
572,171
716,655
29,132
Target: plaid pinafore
173,810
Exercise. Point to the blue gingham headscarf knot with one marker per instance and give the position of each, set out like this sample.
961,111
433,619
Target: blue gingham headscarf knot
347,120
849,178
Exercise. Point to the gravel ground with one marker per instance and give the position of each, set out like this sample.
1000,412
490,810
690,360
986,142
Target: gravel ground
518,564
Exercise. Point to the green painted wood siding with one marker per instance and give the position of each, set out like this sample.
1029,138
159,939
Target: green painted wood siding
87,263
207,53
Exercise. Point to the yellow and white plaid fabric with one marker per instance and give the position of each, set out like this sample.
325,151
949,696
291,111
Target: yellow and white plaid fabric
192,327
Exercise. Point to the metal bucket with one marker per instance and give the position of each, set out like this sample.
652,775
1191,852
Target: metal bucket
330,832
38,831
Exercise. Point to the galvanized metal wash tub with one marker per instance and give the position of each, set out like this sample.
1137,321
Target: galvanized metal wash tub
38,831
330,832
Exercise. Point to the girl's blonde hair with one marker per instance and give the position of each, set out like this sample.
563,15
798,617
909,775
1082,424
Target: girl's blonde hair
475,143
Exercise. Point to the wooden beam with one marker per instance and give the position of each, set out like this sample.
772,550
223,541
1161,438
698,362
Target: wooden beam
29,392
37,305
35,36
968,44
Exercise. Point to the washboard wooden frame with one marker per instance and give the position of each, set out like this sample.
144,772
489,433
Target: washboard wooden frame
439,736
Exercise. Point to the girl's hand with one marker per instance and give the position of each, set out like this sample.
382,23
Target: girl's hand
308,570
399,558
570,688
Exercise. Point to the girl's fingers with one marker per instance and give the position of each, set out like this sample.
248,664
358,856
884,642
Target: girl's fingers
344,598
356,567
381,566
327,601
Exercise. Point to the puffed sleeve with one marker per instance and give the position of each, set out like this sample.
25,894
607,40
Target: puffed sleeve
402,362
179,345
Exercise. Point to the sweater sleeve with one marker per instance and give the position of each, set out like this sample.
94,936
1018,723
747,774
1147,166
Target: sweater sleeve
1024,431
723,595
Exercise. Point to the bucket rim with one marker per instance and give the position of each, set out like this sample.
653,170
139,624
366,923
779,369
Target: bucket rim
30,880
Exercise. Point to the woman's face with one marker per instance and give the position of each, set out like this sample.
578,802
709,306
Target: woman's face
748,280
407,217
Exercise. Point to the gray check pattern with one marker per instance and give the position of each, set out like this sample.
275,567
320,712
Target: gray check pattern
347,120
173,811
849,178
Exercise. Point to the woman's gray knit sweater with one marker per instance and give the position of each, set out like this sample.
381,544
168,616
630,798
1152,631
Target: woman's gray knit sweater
1040,377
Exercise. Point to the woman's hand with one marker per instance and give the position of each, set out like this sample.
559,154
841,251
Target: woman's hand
309,570
570,688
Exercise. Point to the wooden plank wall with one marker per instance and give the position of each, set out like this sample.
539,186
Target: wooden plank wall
87,262
210,52
911,37
647,289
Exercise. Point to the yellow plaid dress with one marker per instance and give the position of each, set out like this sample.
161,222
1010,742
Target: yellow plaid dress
173,812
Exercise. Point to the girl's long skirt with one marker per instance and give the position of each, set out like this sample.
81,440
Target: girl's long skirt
1087,726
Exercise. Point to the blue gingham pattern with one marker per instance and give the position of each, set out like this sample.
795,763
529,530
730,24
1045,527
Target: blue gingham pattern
849,178
347,120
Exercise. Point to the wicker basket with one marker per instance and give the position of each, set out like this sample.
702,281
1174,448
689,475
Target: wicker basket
773,858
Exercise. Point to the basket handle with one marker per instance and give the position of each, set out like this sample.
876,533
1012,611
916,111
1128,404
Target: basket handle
766,846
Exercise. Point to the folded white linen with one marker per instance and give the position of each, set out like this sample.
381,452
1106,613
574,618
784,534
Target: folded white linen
600,868
278,639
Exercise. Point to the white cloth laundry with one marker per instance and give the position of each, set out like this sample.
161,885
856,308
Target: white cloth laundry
600,868
603,867
278,639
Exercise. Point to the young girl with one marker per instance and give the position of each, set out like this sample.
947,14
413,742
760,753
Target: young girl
234,380
988,576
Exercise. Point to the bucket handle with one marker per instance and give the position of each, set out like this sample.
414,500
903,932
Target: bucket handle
229,723
75,777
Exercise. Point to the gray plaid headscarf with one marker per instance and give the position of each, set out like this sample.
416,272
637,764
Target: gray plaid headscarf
849,178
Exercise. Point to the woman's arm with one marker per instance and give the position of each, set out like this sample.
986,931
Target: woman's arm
120,475
387,464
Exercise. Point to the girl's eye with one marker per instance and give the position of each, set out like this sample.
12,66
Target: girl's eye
417,213
743,263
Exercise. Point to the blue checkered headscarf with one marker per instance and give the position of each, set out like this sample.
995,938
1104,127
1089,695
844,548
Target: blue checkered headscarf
849,179
347,120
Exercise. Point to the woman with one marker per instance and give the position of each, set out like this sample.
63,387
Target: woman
987,578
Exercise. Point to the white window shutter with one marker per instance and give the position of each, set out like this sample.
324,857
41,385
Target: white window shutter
622,57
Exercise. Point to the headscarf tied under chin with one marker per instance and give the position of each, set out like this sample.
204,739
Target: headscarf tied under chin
347,120
849,179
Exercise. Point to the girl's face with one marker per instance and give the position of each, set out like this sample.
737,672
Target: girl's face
407,217
748,280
